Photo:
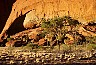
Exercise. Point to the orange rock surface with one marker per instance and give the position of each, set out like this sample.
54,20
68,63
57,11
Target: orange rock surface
80,9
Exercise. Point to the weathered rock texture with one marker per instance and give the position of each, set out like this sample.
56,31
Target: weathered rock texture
22,38
81,9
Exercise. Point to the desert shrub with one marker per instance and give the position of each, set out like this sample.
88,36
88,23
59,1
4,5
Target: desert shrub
56,27
91,40
32,45
8,39
90,46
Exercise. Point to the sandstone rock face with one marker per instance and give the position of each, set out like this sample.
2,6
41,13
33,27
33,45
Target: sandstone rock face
30,20
80,9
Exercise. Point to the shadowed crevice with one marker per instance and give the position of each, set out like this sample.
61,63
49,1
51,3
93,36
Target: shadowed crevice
17,26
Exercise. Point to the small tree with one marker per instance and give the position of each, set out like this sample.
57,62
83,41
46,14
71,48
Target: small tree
56,27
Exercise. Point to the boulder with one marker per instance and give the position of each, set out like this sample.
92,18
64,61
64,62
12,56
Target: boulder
85,32
41,41
10,43
22,38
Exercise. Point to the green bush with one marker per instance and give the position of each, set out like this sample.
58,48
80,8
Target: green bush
56,27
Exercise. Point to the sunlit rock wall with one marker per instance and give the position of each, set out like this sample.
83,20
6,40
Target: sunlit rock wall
79,9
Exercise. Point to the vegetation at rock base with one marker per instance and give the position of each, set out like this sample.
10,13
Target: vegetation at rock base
58,27
57,31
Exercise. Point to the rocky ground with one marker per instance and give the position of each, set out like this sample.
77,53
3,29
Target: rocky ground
23,56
